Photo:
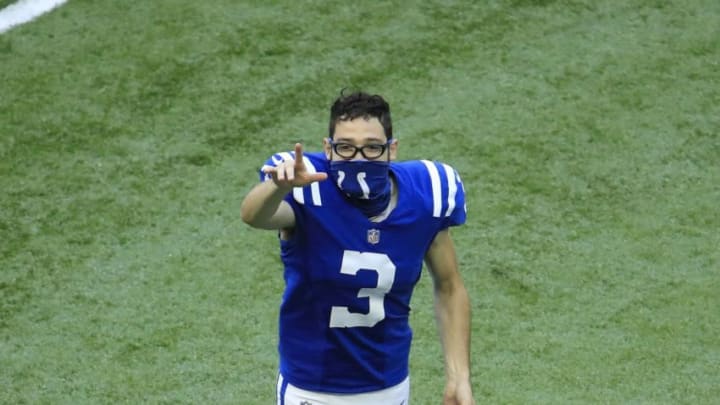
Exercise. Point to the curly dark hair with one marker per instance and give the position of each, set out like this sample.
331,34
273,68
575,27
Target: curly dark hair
360,104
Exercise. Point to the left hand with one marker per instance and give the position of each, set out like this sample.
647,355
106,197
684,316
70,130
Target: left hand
458,394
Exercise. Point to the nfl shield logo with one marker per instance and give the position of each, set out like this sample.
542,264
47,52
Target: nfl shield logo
373,236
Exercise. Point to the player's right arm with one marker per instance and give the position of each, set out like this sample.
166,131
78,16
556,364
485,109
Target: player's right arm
263,207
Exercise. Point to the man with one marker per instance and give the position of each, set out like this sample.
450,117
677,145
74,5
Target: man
354,229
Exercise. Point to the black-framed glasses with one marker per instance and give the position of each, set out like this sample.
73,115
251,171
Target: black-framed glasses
369,151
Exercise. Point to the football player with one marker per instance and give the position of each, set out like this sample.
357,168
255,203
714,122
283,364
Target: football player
355,226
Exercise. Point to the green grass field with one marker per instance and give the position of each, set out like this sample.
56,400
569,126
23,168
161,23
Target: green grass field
587,134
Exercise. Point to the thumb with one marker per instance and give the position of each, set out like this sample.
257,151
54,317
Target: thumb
320,176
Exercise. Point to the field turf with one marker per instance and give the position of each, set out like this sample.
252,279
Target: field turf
587,134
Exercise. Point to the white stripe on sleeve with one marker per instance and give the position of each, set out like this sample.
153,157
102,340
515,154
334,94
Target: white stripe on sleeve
452,188
436,190
286,156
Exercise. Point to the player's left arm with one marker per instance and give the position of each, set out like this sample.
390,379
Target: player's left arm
452,310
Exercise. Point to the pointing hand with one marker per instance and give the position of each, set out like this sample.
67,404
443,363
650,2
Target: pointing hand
293,173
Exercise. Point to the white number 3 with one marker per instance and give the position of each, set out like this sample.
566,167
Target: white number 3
353,261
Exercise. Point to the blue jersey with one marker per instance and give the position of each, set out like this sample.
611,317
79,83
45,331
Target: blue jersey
344,314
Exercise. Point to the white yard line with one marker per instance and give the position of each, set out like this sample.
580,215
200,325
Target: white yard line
24,11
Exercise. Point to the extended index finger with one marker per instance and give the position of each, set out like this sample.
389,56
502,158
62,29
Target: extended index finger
298,154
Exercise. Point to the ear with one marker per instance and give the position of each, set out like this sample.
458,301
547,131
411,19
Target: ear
327,148
393,149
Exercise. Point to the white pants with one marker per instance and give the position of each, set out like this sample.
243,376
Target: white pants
288,394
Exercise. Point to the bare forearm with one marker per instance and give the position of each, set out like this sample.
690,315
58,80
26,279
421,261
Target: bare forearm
261,204
452,308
